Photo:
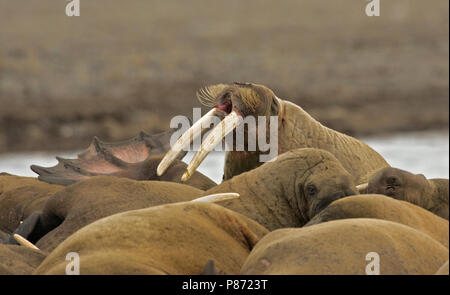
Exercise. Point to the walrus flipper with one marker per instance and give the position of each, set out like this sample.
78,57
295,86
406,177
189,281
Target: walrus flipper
102,158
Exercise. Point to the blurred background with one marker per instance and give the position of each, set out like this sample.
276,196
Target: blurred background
126,66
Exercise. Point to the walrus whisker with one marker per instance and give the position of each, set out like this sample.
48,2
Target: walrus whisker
185,140
24,242
227,125
214,198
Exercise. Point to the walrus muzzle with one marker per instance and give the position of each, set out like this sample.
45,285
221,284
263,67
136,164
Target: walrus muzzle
227,125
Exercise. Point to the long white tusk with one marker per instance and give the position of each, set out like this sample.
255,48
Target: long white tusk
217,197
24,242
184,141
227,125
362,187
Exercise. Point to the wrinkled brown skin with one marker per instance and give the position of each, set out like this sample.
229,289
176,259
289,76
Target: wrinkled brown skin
431,194
383,207
20,197
136,158
87,201
275,194
169,239
19,260
296,129
443,270
340,247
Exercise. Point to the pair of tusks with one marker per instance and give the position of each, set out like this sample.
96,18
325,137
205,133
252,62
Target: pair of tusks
228,124
214,198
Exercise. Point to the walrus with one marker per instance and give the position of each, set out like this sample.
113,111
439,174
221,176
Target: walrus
312,179
443,270
87,201
20,197
168,239
3,237
136,158
290,190
431,194
18,260
296,129
346,247
383,207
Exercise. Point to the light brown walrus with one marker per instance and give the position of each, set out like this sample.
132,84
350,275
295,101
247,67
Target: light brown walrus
296,129
20,197
431,194
169,239
342,246
290,190
87,201
383,207
18,260
312,180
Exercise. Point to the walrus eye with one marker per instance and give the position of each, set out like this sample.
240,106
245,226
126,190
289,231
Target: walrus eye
311,190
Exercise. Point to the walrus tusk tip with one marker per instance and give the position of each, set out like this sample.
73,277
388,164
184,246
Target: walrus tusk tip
24,242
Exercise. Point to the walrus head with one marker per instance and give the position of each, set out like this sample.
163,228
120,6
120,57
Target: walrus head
322,184
231,103
399,184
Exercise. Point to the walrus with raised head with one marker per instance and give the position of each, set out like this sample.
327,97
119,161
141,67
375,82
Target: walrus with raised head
431,194
386,208
169,239
295,128
346,247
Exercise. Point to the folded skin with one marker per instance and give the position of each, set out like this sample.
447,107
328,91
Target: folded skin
386,208
341,247
431,194
290,190
169,239
20,197
87,201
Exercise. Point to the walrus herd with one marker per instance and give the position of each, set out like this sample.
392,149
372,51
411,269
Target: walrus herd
324,204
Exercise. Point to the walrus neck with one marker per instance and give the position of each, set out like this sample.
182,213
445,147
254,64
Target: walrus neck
298,129
439,194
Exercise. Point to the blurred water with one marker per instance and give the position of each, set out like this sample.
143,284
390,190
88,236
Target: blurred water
424,152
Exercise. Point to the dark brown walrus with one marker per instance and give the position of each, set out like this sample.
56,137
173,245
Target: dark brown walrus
431,194
169,239
296,129
136,158
383,207
312,179
341,247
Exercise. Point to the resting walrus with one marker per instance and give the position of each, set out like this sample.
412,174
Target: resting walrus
87,201
341,247
17,260
169,239
312,179
20,197
383,207
431,194
290,190
296,129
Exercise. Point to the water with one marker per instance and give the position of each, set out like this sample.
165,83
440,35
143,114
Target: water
424,152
